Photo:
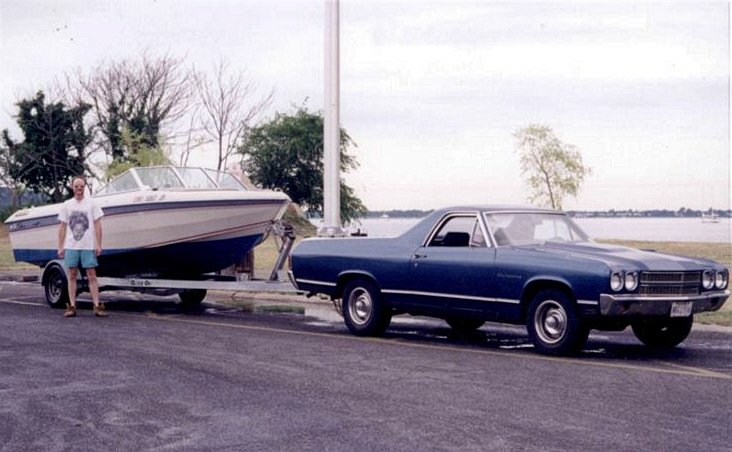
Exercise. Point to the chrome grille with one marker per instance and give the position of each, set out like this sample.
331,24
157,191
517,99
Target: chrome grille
669,283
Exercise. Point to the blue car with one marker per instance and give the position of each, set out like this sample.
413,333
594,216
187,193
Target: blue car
472,264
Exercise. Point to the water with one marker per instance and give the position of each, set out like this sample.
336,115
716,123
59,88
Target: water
654,229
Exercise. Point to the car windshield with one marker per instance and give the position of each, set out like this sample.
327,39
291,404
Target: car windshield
523,228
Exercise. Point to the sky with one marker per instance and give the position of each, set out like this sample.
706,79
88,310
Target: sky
432,92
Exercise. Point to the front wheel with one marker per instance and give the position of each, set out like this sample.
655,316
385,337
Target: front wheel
363,309
553,325
663,333
56,286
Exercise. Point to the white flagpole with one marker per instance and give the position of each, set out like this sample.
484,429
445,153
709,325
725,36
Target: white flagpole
331,133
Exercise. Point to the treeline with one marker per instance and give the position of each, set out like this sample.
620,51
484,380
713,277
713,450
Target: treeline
612,213
411,213
653,213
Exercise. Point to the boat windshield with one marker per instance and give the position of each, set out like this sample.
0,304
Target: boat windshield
125,182
163,177
225,180
195,178
523,228
159,177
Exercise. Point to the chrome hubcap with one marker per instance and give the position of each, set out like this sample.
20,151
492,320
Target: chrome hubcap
56,287
360,306
550,322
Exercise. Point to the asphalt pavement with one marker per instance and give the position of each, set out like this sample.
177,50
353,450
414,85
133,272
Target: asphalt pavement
151,377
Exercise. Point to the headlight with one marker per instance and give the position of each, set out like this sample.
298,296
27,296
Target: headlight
631,281
708,278
616,281
721,280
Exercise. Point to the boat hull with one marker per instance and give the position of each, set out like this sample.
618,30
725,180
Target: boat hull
171,234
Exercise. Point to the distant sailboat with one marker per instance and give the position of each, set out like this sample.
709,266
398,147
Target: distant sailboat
710,217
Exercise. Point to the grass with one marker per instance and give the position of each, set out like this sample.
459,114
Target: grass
266,254
7,262
720,252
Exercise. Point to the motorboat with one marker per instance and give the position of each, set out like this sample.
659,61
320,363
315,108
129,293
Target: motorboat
162,221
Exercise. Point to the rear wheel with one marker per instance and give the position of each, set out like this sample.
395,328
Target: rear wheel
56,286
663,333
363,309
553,325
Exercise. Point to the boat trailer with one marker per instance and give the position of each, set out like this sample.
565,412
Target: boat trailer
54,278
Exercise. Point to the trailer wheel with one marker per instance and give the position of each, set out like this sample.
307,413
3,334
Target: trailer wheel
56,286
190,298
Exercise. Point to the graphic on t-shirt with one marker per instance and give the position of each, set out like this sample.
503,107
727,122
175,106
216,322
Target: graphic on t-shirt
78,223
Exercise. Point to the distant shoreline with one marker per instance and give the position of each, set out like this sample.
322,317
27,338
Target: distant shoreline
630,213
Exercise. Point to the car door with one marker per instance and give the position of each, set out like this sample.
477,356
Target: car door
453,269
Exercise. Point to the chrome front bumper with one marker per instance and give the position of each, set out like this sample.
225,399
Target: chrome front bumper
633,305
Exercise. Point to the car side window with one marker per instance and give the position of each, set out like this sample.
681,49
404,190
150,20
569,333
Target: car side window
477,239
459,231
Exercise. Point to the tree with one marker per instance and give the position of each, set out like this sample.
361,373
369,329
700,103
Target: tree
553,169
227,112
141,154
144,97
287,153
53,150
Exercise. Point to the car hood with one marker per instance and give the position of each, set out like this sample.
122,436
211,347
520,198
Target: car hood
623,257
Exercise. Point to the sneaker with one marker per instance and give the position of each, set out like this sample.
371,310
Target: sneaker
99,310
70,311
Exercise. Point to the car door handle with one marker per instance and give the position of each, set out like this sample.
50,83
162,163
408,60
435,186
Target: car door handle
419,256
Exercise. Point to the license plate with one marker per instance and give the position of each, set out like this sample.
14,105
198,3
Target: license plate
681,309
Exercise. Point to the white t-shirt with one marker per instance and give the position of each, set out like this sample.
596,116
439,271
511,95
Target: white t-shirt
79,217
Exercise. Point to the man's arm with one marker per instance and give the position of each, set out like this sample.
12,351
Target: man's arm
98,236
61,239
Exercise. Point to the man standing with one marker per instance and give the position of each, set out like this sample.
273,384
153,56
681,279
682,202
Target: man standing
79,243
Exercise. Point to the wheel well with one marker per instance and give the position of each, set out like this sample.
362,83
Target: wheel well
537,286
344,279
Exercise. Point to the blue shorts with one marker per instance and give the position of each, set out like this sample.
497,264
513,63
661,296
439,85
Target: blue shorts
87,258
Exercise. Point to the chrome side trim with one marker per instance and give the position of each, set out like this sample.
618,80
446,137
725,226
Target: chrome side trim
447,295
319,283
